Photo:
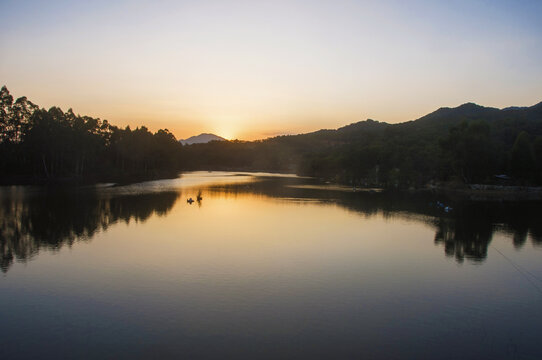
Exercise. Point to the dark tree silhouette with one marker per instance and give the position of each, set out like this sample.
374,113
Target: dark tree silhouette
470,143
39,145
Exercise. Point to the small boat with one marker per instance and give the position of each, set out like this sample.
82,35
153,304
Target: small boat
190,201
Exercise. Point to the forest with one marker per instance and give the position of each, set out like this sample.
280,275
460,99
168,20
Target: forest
463,145
43,146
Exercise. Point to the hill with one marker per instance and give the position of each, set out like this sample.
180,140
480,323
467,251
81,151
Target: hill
469,143
201,138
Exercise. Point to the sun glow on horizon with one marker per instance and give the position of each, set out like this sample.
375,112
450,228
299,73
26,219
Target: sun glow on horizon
227,127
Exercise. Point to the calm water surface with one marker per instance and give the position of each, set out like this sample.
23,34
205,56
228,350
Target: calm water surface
266,267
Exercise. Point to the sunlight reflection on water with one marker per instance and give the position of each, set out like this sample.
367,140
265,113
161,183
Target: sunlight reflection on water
265,267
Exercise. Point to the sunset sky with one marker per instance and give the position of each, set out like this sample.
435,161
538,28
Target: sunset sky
254,69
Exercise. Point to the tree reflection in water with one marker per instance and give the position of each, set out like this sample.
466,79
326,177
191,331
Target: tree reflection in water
465,232
51,220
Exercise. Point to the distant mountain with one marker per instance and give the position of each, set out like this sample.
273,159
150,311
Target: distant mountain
201,139
515,108
469,143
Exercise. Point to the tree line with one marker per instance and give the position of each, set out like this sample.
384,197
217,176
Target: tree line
40,145
466,144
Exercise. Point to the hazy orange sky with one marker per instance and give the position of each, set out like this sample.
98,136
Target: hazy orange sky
253,69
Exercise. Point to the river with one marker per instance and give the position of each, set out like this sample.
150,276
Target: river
266,267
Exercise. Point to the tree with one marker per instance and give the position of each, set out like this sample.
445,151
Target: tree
522,162
6,101
469,151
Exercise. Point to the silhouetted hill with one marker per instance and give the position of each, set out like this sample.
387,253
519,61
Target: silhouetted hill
201,138
464,110
469,143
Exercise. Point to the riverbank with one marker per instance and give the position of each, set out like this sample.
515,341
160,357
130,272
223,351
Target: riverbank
487,192
86,180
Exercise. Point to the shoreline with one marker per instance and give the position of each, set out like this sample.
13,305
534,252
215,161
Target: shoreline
77,181
486,192
476,192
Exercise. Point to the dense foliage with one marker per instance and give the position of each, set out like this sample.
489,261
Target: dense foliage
50,145
467,144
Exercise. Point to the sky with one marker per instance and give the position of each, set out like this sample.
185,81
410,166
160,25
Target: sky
255,69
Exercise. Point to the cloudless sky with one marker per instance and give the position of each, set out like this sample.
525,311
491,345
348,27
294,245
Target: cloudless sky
253,69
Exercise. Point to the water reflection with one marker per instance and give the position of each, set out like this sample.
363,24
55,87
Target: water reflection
465,232
54,219
49,220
